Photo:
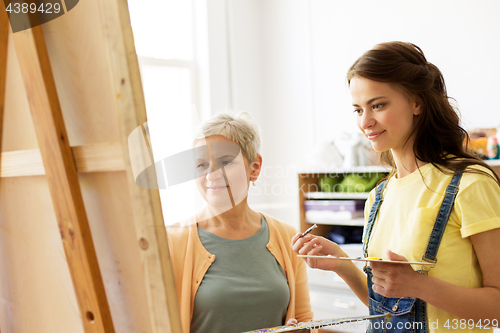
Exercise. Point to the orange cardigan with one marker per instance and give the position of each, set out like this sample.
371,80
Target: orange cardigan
190,261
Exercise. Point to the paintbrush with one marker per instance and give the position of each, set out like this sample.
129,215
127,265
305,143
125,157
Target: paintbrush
308,230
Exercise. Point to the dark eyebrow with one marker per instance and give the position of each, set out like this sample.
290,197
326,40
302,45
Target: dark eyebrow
221,157
370,101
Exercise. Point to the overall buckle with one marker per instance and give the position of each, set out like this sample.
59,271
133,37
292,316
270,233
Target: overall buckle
426,268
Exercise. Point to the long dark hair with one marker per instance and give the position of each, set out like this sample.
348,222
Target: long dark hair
438,137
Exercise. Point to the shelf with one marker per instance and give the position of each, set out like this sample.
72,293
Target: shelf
492,162
354,222
309,189
336,195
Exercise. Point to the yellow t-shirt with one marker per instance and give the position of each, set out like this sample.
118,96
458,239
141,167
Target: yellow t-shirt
406,218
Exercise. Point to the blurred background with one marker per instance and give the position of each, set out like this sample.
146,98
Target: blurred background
284,62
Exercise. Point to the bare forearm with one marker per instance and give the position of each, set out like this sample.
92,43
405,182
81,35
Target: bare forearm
356,280
468,303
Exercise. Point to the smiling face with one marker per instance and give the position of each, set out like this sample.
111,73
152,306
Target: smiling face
385,115
223,174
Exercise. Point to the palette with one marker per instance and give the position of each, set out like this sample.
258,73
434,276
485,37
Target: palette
367,259
314,324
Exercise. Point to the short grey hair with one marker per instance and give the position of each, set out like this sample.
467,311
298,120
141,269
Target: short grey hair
238,127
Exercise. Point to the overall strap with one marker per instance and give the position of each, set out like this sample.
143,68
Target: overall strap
373,215
441,221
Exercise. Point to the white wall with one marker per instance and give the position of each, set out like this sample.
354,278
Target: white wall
269,77
287,118
285,61
460,37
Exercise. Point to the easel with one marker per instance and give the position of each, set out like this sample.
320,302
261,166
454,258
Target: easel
4,40
112,231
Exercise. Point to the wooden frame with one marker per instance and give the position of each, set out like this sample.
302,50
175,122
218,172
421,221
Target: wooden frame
63,180
113,236
4,40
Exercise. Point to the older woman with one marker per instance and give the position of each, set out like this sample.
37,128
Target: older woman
234,268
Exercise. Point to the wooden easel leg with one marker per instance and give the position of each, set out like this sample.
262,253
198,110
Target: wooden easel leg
4,41
160,286
63,181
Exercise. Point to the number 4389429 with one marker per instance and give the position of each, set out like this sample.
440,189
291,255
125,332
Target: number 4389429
470,324
47,8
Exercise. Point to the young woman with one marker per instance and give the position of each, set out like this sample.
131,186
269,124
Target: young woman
439,204
234,268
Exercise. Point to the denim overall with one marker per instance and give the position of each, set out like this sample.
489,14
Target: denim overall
408,314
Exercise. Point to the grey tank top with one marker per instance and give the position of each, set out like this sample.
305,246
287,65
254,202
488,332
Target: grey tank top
244,289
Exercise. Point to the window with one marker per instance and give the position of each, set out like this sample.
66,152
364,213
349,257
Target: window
164,34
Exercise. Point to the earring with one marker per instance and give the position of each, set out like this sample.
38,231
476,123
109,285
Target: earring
253,183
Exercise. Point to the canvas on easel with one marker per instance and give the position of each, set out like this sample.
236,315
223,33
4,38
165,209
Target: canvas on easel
82,247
